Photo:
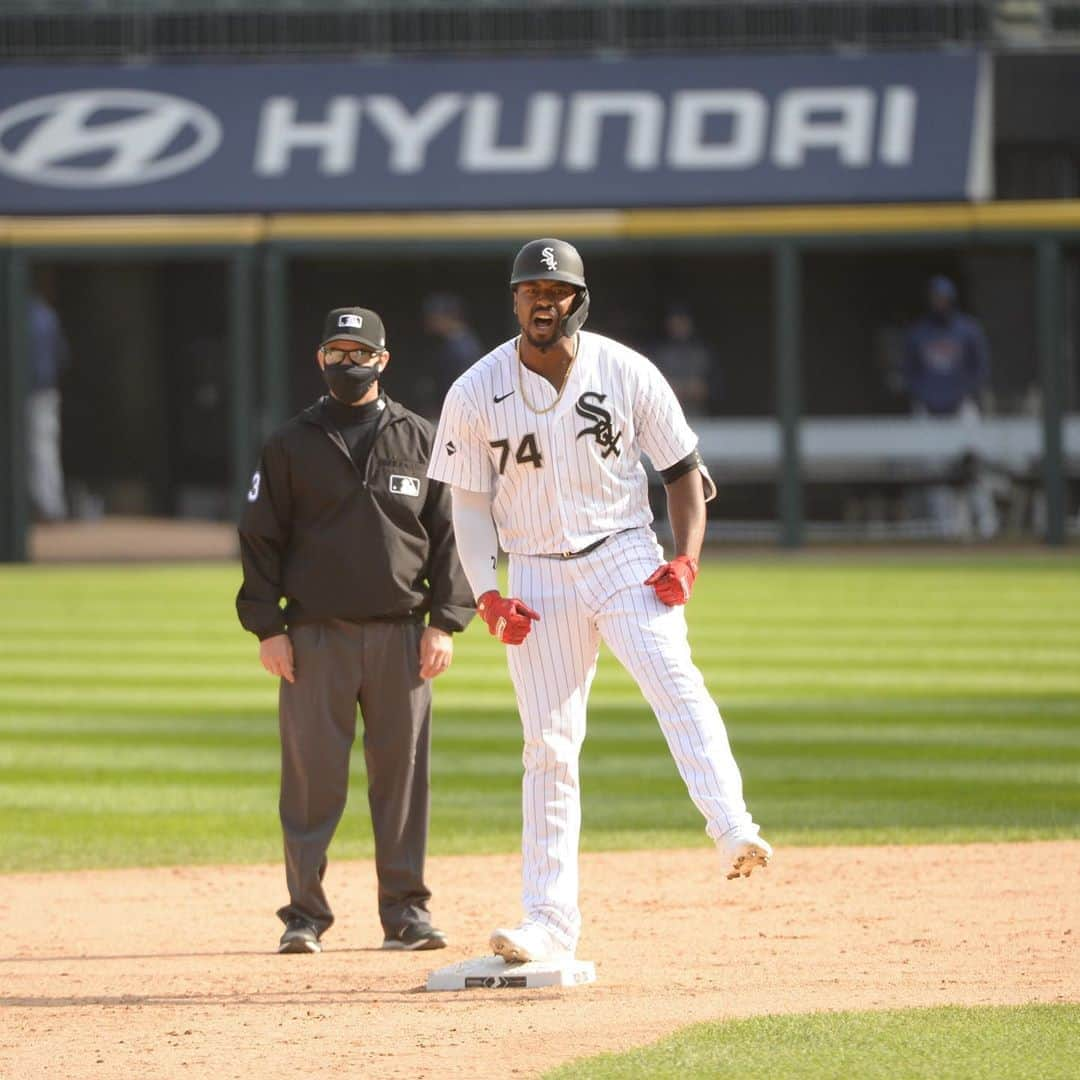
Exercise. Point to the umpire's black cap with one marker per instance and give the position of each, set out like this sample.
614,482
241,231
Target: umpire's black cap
355,324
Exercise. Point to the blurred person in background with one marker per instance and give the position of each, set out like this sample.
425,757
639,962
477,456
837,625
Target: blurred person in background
946,374
946,360
342,522
458,347
49,356
687,362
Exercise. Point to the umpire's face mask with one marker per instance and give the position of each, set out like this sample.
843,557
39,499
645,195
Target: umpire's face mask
346,380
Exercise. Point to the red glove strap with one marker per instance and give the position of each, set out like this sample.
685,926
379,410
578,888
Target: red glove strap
485,606
691,565
507,619
674,581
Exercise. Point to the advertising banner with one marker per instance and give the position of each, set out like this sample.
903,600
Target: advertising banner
354,135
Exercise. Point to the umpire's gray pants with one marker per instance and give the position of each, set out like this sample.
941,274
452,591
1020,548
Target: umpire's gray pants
338,664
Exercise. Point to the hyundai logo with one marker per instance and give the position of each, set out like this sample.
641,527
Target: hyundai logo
105,138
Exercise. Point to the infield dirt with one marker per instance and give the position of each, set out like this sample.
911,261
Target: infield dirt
172,972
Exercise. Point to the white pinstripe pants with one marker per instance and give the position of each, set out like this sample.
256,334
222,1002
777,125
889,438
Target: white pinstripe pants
581,601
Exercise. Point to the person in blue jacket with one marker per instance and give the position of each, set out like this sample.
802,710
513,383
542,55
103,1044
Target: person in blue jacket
947,373
946,361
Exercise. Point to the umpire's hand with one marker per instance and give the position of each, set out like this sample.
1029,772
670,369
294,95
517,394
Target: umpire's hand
275,654
436,652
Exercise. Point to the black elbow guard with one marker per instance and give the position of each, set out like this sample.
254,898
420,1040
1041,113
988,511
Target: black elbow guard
681,468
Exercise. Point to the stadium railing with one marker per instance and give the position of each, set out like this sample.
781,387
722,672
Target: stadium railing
120,29
895,454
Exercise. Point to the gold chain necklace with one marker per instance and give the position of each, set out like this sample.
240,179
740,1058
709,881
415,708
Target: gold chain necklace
558,396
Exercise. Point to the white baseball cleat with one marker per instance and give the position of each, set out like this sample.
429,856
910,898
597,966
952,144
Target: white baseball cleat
528,942
746,856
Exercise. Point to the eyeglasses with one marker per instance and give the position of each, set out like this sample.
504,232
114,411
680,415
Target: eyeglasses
358,356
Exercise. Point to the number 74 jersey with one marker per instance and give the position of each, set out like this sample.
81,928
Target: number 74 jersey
565,469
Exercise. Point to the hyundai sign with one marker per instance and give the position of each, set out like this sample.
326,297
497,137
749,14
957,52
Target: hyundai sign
415,135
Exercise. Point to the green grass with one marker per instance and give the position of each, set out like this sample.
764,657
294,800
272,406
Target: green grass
867,701
1031,1042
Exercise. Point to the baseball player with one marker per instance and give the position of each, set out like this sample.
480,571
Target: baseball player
541,442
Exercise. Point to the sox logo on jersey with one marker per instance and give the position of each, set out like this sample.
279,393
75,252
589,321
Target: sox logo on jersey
601,418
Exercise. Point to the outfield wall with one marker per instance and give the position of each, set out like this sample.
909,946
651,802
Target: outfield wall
259,256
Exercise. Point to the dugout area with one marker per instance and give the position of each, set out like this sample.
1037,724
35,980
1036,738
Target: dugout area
194,336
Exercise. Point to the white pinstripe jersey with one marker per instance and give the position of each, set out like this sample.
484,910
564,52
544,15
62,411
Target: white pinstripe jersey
565,478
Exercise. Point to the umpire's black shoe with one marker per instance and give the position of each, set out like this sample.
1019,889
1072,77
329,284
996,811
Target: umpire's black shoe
415,936
300,936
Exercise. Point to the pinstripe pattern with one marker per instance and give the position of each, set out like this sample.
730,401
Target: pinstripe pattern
588,484
601,596
578,493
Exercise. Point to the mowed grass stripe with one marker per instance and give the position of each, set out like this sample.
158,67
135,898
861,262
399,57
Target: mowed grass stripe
799,699
24,759
1037,655
920,719
128,767
857,716
806,662
176,695
980,639
164,663
747,725
977,624
633,734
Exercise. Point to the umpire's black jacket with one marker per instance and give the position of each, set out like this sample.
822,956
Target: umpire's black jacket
340,545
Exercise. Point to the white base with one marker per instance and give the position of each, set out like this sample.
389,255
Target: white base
494,973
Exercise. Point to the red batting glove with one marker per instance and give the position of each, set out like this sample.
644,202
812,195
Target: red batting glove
674,581
509,620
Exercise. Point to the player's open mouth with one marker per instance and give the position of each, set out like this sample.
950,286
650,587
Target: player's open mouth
543,320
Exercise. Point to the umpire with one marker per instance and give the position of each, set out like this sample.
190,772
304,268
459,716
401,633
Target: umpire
342,522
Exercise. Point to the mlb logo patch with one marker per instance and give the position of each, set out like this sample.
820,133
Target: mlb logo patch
405,485
356,321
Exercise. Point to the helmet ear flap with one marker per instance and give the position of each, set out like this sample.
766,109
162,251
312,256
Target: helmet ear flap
577,315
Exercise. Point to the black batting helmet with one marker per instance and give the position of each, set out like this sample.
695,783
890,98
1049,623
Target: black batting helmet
549,259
